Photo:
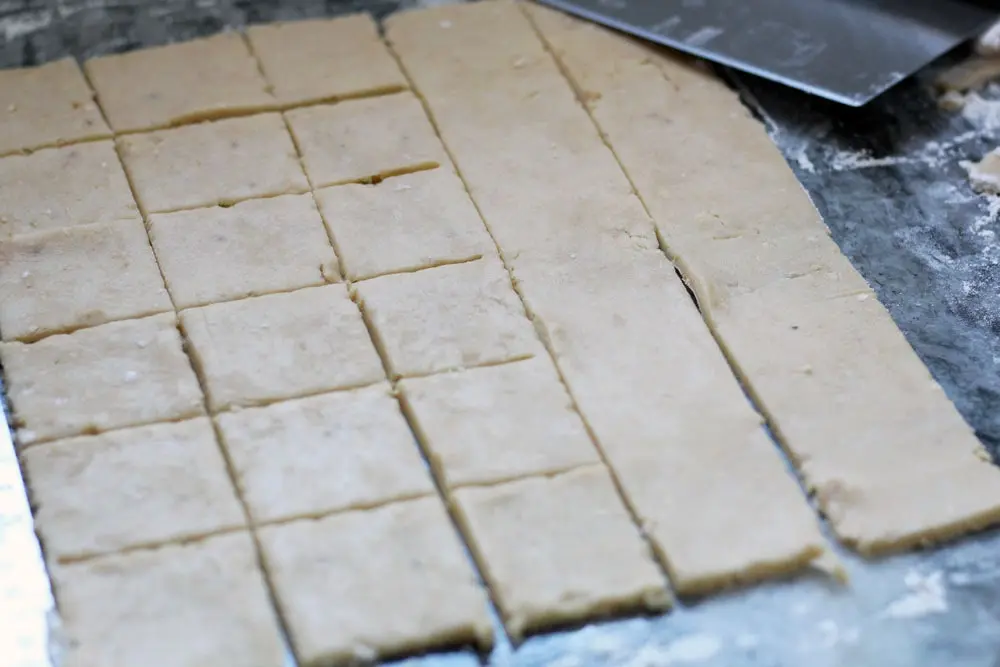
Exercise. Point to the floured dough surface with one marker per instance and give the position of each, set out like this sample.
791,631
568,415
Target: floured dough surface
191,605
326,453
134,487
398,574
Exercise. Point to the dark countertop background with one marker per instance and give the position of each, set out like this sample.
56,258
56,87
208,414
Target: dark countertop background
887,179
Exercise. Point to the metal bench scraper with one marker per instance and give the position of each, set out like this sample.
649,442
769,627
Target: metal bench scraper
849,51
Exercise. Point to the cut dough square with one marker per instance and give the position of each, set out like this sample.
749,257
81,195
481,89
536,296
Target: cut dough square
559,549
411,222
61,280
494,424
204,78
365,139
325,59
190,605
47,106
447,318
63,187
375,584
255,247
212,163
115,375
325,453
279,346
100,494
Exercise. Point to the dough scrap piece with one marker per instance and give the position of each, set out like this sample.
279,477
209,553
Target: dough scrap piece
255,247
366,139
47,105
984,176
111,376
280,346
375,584
494,424
325,59
212,163
205,78
202,603
65,279
135,487
867,426
322,454
63,187
635,353
447,318
410,222
559,549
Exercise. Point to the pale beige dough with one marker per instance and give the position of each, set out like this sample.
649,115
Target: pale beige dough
255,247
325,59
191,605
322,454
114,375
375,584
65,279
870,431
984,176
212,77
135,487
212,163
365,139
47,105
447,318
406,223
494,424
63,187
643,367
560,549
279,346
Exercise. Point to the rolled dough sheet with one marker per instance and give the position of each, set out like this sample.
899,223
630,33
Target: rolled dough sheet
869,429
189,605
280,346
495,424
168,85
375,584
47,105
252,248
111,376
325,59
410,222
63,187
635,353
325,453
66,279
559,549
134,487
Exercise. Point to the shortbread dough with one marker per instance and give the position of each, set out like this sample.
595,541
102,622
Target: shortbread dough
406,223
325,59
447,318
279,346
322,454
255,247
375,584
191,605
63,187
134,487
167,85
65,279
111,376
494,424
559,549
47,105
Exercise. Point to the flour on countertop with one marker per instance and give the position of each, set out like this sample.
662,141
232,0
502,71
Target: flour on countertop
927,596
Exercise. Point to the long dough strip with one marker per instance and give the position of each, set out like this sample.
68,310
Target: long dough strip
889,457
688,450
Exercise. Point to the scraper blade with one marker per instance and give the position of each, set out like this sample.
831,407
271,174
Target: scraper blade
849,51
